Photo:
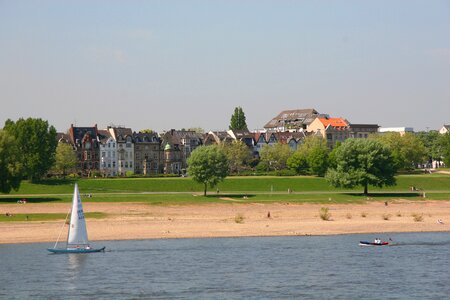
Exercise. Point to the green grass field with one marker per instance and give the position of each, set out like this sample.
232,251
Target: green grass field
160,191
46,217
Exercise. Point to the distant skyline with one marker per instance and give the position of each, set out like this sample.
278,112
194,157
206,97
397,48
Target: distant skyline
180,64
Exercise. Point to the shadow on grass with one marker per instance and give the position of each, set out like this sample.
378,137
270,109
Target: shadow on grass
234,196
29,200
386,195
61,181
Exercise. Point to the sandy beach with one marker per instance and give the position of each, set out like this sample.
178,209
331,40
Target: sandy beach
142,221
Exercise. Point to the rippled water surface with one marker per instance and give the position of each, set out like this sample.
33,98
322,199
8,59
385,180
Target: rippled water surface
417,266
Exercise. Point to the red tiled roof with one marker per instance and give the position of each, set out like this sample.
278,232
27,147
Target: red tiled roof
334,122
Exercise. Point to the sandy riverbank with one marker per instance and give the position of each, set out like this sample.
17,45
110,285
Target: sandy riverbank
142,221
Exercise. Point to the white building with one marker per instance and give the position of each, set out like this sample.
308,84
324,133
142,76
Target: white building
108,154
401,130
444,129
125,149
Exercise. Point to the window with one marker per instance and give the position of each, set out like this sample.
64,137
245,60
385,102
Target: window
131,164
103,153
114,164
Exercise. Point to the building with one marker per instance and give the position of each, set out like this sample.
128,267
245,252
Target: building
173,159
108,154
86,145
445,129
125,149
332,129
293,120
244,136
147,153
190,141
359,131
292,139
217,137
401,130
338,130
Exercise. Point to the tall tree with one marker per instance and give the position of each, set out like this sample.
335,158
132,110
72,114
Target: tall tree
238,155
66,158
36,142
362,162
407,150
238,120
208,165
10,167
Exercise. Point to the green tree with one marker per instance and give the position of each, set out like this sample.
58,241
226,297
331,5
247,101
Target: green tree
298,162
148,130
238,120
36,142
362,162
197,130
66,158
208,165
310,157
407,150
431,141
10,167
275,157
444,142
238,155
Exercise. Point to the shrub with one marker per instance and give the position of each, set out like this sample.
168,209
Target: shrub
129,173
399,214
363,214
386,217
285,172
348,216
325,214
239,218
417,217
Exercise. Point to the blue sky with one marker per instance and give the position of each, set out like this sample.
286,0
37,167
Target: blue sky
180,64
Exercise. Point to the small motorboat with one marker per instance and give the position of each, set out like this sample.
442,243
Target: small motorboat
374,243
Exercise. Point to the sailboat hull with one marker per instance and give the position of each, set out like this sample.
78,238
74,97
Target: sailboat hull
75,250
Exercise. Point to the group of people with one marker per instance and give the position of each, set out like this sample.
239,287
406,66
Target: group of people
377,241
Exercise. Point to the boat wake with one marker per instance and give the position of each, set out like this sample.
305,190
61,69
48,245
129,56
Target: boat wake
444,243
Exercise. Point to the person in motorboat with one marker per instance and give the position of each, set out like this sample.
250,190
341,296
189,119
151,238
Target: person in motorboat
377,241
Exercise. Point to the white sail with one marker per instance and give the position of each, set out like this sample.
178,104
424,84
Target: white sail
77,228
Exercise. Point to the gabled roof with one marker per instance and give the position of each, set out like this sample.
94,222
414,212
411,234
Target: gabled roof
145,137
103,135
335,123
78,133
119,133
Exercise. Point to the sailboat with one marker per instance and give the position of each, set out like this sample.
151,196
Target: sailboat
77,240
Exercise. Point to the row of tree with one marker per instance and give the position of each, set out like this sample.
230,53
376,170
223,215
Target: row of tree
355,162
314,157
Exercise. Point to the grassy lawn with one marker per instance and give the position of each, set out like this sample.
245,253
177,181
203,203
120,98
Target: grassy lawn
187,198
46,217
434,182
257,189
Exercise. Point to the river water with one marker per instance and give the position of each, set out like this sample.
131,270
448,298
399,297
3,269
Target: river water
417,266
